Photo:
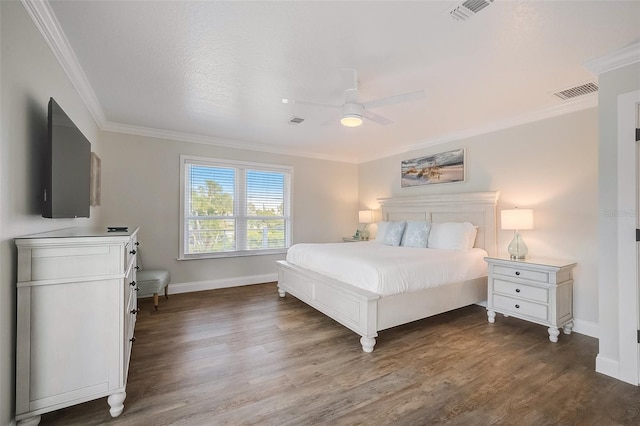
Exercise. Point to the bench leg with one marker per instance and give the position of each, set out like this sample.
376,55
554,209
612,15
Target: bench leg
166,295
155,300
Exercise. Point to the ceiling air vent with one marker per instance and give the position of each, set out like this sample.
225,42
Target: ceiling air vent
574,92
296,120
467,9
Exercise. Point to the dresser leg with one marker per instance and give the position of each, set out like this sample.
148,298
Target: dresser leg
367,343
116,402
568,327
281,292
31,421
491,316
553,334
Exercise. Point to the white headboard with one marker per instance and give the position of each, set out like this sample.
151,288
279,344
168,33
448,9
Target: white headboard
478,208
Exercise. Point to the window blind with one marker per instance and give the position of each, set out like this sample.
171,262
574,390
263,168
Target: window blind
235,208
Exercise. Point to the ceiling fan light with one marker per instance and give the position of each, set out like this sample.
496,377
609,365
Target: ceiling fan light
351,120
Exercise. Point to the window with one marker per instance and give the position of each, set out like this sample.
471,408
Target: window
232,208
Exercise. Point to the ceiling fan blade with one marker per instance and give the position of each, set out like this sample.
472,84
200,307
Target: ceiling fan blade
405,97
316,104
370,115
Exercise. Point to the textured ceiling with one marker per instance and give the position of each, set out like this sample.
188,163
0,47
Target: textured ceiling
217,71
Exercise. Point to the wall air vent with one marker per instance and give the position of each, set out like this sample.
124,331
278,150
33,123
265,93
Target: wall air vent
296,120
467,9
574,92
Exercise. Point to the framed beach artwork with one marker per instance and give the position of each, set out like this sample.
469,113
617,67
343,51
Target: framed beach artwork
444,167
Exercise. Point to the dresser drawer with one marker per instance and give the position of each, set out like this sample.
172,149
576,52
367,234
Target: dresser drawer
72,262
526,274
521,290
520,307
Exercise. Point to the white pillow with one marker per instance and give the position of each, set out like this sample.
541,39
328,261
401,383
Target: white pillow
393,234
452,236
382,229
416,234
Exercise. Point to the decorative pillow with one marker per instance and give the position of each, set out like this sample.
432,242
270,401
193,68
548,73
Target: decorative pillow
393,234
382,230
416,234
452,236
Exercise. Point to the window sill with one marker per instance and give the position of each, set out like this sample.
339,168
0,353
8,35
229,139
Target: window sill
232,254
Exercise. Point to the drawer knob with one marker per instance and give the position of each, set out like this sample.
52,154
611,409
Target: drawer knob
517,290
517,306
132,252
133,339
135,311
136,289
137,268
137,243
517,272
132,283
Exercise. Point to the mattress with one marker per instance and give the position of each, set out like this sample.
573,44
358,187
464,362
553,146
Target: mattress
388,270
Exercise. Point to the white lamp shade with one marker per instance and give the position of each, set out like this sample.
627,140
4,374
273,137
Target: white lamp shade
516,219
365,216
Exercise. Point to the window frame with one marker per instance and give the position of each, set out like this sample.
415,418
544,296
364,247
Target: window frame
240,205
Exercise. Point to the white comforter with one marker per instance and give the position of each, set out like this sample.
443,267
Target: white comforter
387,270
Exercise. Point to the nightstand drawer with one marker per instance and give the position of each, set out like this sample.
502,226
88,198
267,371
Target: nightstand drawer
521,290
526,274
521,307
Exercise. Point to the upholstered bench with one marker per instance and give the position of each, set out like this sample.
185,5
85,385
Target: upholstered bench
152,282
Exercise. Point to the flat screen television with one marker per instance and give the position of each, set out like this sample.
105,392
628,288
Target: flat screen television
67,168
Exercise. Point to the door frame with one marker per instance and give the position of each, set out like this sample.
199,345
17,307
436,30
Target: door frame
627,218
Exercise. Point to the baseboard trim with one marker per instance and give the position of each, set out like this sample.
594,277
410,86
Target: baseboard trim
608,366
588,328
176,288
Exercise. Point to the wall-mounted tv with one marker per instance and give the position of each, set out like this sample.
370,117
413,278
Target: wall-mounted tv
67,168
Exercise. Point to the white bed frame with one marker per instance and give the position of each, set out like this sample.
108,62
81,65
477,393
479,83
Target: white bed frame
365,312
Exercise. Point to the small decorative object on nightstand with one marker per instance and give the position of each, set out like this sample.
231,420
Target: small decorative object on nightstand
536,290
351,240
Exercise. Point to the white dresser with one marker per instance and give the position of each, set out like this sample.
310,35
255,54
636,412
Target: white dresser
76,316
535,290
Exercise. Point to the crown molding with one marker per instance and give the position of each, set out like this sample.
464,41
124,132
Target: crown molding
614,60
224,143
46,22
48,25
585,102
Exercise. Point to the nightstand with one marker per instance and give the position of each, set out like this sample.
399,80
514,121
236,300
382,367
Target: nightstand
535,290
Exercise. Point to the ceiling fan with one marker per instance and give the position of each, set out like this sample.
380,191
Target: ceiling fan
354,111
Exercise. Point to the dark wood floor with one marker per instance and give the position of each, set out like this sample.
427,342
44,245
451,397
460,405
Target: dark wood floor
245,356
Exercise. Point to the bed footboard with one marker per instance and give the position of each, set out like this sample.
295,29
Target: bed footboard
355,308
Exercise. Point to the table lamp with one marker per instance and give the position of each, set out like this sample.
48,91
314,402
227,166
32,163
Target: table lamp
365,217
517,219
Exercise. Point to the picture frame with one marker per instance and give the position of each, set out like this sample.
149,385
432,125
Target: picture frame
94,194
443,167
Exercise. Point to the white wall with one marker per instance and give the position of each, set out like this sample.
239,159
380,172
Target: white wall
611,84
29,75
550,166
140,186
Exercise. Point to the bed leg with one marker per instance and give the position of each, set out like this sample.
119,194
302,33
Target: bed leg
367,343
281,292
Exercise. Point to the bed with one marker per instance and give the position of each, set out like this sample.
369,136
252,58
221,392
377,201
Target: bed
367,312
